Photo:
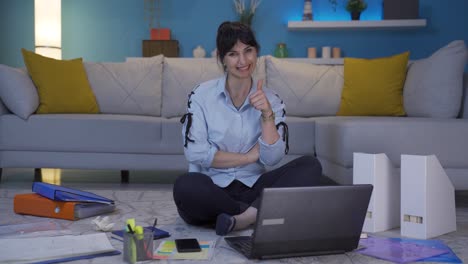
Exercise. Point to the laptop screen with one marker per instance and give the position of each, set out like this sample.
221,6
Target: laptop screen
310,220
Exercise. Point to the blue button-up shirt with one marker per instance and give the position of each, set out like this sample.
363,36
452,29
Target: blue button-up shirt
217,125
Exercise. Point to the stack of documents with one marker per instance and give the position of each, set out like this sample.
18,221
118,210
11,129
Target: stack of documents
56,248
56,201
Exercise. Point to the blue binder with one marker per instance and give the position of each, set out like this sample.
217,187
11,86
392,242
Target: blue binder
60,193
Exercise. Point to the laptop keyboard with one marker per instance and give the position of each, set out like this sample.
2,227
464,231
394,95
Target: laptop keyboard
242,244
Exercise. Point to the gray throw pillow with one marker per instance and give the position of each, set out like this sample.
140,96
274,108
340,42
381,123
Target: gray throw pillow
434,86
132,87
306,89
180,76
18,92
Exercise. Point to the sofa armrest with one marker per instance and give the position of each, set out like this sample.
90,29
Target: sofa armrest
464,108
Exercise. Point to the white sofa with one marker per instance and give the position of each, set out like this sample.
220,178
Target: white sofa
142,100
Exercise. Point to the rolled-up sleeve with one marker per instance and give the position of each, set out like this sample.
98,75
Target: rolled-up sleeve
271,154
198,150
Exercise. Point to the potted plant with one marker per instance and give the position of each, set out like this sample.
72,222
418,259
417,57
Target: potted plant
246,14
355,7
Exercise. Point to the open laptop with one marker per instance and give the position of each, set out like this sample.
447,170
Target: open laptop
303,221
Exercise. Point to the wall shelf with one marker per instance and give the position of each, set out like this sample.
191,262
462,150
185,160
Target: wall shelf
321,61
357,24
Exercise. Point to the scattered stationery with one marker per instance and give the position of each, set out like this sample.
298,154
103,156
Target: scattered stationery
61,193
397,251
55,249
35,204
167,250
157,233
102,224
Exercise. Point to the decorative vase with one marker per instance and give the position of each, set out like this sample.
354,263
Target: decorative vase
326,52
355,15
199,52
281,51
160,34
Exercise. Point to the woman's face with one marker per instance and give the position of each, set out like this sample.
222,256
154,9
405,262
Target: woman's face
241,60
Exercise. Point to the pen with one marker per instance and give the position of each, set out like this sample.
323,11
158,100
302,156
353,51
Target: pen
130,230
154,224
131,222
151,237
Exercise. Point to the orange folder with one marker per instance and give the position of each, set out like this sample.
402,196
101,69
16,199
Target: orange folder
34,204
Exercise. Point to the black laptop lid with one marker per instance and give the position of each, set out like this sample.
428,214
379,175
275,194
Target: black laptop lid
310,220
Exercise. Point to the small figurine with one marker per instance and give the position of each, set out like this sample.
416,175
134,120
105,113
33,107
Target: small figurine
307,10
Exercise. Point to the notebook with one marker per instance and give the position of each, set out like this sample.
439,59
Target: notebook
157,233
303,221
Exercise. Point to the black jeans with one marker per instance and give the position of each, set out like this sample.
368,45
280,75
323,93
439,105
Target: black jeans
199,201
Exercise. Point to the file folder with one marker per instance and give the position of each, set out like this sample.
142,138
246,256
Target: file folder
61,193
35,204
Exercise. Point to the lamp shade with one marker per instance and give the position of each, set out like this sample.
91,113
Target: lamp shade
48,28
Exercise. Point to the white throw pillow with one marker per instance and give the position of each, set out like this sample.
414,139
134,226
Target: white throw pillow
434,86
306,89
132,87
18,92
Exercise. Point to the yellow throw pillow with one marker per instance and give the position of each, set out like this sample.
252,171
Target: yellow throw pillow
63,86
374,87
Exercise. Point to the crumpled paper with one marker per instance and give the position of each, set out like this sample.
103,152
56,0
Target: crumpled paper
102,224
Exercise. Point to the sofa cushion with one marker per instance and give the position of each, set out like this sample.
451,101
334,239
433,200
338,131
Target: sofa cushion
61,84
18,92
181,75
306,89
338,137
301,135
103,133
374,87
436,81
127,87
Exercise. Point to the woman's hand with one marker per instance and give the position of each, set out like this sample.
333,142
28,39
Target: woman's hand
260,101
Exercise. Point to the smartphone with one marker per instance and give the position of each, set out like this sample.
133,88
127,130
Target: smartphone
187,245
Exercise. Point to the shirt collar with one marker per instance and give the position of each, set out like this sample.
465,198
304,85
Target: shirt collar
221,87
221,90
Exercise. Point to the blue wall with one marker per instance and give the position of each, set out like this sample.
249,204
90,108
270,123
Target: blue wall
110,30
